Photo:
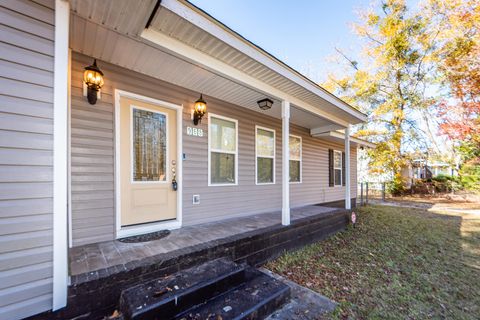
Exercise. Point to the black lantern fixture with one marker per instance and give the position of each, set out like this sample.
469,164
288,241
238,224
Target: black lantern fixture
199,110
265,104
93,78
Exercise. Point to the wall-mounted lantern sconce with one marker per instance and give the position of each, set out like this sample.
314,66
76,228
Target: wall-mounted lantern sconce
199,110
265,104
93,79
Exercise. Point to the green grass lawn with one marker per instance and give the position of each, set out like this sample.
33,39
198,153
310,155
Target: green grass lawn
398,263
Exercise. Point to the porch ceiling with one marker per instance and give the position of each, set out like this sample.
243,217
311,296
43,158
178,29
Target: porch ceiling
98,41
182,21
110,30
124,16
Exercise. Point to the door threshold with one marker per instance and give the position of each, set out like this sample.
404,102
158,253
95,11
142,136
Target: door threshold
147,228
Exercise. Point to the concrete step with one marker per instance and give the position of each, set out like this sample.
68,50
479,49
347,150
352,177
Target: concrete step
257,298
167,297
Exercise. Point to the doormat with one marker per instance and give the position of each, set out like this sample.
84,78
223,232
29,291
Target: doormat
146,237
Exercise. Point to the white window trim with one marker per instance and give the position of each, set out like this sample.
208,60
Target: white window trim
210,150
299,159
338,168
270,157
132,151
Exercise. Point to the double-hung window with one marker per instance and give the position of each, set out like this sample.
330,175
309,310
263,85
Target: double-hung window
295,144
337,167
223,150
265,155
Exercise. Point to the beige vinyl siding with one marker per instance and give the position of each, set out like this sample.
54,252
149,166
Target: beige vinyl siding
314,187
92,163
93,141
26,157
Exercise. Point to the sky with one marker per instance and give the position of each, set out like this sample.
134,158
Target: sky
301,33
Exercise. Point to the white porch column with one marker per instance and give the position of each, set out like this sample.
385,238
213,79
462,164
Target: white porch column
348,204
285,163
60,147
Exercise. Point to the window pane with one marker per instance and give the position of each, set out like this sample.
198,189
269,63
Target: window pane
337,159
222,134
265,143
338,177
295,148
294,171
149,145
222,167
264,170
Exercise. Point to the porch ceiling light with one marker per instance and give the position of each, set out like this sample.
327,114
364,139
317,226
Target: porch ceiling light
93,78
265,104
199,110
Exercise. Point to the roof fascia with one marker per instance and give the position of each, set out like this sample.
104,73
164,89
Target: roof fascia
212,64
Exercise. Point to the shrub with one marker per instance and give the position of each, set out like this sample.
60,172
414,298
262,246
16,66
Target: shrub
397,186
442,178
470,177
444,183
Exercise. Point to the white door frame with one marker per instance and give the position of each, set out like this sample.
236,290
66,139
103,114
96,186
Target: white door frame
155,226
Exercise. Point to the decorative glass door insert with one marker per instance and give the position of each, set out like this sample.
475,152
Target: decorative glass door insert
149,139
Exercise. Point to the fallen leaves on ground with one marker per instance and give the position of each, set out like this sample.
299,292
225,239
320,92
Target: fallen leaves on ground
398,263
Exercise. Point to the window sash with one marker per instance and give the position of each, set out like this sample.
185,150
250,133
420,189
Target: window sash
339,153
294,156
269,147
259,155
299,171
271,178
225,129
217,157
234,152
337,168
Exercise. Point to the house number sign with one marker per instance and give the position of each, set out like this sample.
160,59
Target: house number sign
196,132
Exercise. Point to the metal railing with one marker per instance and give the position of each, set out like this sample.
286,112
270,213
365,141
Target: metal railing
368,190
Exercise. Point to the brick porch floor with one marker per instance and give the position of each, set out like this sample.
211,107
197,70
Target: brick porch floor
103,255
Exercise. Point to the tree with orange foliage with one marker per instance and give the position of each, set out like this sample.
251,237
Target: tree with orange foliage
458,59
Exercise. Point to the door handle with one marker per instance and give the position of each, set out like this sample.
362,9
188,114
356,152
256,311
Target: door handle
174,175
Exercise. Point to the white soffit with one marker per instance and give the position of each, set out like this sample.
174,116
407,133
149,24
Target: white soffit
125,16
98,41
105,29
184,22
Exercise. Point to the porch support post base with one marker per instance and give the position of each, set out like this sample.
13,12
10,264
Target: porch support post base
285,163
